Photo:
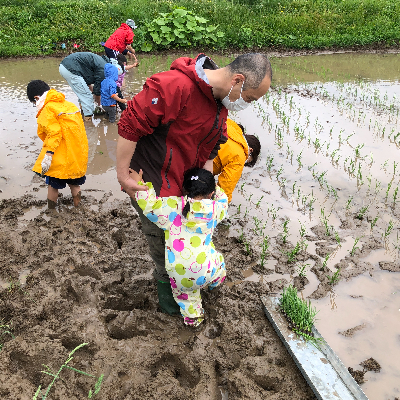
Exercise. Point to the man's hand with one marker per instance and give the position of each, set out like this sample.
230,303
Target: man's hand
46,162
131,186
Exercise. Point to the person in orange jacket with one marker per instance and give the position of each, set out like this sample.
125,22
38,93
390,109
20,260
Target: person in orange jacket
64,156
238,151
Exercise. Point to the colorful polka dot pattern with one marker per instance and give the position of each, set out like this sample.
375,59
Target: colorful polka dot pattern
191,259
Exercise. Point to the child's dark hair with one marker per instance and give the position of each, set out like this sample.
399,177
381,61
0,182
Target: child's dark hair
36,88
121,60
197,182
254,143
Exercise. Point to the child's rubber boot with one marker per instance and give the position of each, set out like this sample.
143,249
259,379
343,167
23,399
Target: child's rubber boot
166,300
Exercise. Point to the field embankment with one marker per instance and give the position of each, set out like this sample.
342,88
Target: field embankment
35,28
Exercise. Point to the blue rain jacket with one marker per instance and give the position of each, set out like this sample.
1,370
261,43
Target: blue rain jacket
109,85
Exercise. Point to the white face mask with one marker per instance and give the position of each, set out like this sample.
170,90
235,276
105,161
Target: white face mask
237,105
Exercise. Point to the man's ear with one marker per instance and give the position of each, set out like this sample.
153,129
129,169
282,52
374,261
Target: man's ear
236,79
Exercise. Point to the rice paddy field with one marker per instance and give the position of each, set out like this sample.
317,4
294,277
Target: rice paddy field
320,210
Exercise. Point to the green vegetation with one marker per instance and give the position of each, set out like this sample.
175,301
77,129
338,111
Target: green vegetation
5,329
56,376
299,313
35,27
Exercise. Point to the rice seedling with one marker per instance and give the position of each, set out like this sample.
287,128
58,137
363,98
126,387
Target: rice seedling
395,195
325,262
360,214
388,230
300,314
279,172
337,238
238,208
301,270
332,280
355,247
259,201
348,204
48,371
285,233
374,221
293,187
325,222
291,255
269,162
387,190
302,230
247,247
264,249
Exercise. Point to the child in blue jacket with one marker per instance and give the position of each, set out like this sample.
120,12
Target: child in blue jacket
109,95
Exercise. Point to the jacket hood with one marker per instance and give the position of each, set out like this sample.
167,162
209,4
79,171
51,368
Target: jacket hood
111,71
194,69
52,96
201,208
236,134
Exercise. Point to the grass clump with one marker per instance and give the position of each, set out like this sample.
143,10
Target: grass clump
56,375
36,27
300,314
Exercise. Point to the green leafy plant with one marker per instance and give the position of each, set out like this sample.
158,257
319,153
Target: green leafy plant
181,28
48,371
300,314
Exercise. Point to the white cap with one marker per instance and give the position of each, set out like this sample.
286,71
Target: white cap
131,23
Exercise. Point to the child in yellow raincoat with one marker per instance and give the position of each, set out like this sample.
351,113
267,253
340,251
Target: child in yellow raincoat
240,150
64,156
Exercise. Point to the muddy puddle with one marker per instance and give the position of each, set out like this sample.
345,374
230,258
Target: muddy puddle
320,210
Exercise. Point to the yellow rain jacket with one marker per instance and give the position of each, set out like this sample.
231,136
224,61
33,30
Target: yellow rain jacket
231,158
60,126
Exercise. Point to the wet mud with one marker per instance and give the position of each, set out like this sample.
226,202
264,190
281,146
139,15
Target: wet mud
88,280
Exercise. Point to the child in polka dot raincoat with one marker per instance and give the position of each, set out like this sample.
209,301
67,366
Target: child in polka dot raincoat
191,260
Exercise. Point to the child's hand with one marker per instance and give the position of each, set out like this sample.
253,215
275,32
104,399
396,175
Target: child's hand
46,162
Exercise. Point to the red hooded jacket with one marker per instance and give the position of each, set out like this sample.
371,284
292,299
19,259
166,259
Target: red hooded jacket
120,38
176,122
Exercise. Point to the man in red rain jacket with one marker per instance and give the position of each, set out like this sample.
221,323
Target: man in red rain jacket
178,122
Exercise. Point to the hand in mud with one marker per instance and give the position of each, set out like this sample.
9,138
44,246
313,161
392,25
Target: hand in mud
46,162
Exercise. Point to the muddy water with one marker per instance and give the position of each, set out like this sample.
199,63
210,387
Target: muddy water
328,133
